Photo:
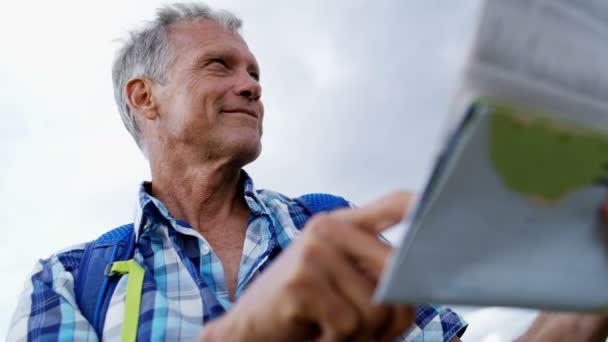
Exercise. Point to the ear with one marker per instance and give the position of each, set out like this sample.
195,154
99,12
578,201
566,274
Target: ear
140,99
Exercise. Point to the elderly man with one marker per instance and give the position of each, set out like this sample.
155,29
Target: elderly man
188,90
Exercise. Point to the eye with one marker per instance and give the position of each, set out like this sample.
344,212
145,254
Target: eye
255,76
218,61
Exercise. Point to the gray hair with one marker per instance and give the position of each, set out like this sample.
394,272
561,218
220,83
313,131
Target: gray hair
147,53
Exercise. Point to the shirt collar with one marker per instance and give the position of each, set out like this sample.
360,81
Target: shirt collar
252,198
150,211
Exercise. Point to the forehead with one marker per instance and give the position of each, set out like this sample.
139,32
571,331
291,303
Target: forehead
207,36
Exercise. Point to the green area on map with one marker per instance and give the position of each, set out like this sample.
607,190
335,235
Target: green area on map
544,158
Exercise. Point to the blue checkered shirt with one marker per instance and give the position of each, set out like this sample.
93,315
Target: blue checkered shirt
184,285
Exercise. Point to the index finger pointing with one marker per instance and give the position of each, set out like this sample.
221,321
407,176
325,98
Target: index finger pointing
385,212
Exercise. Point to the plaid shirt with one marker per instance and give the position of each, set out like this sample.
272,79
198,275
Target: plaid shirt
184,284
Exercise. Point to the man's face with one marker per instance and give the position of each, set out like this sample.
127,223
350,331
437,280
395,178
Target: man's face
210,105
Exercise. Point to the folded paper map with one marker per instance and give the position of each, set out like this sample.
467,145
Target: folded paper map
510,214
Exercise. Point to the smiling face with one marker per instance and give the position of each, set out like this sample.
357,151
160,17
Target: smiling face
209,107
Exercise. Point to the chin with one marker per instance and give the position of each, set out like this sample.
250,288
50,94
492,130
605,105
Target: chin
244,151
240,147
245,156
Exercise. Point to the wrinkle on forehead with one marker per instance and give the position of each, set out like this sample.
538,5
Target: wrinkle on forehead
192,36
201,32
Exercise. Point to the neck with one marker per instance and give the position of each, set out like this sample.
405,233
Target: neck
205,196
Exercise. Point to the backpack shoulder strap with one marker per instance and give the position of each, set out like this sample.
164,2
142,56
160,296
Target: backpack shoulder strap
318,202
92,286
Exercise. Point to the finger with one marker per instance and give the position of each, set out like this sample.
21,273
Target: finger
335,317
604,210
380,214
364,248
400,319
357,288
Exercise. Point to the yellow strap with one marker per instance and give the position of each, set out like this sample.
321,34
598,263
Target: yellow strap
133,300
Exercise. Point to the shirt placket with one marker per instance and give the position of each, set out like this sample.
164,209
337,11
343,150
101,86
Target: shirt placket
263,258
212,305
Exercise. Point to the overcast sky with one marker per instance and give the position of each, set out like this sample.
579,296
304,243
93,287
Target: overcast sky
356,96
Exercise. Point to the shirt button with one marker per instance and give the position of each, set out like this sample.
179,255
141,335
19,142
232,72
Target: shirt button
204,249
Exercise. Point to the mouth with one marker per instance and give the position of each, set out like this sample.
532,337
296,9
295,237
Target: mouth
245,111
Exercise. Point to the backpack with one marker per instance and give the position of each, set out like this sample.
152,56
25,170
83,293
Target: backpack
111,255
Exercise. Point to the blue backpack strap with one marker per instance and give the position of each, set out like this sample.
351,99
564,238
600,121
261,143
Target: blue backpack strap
93,288
317,202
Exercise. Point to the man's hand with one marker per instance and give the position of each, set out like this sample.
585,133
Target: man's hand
321,287
557,327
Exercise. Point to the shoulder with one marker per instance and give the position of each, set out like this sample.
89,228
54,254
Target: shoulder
284,208
299,209
47,307
54,267
274,198
50,277
270,197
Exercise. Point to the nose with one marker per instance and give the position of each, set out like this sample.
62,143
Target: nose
248,87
